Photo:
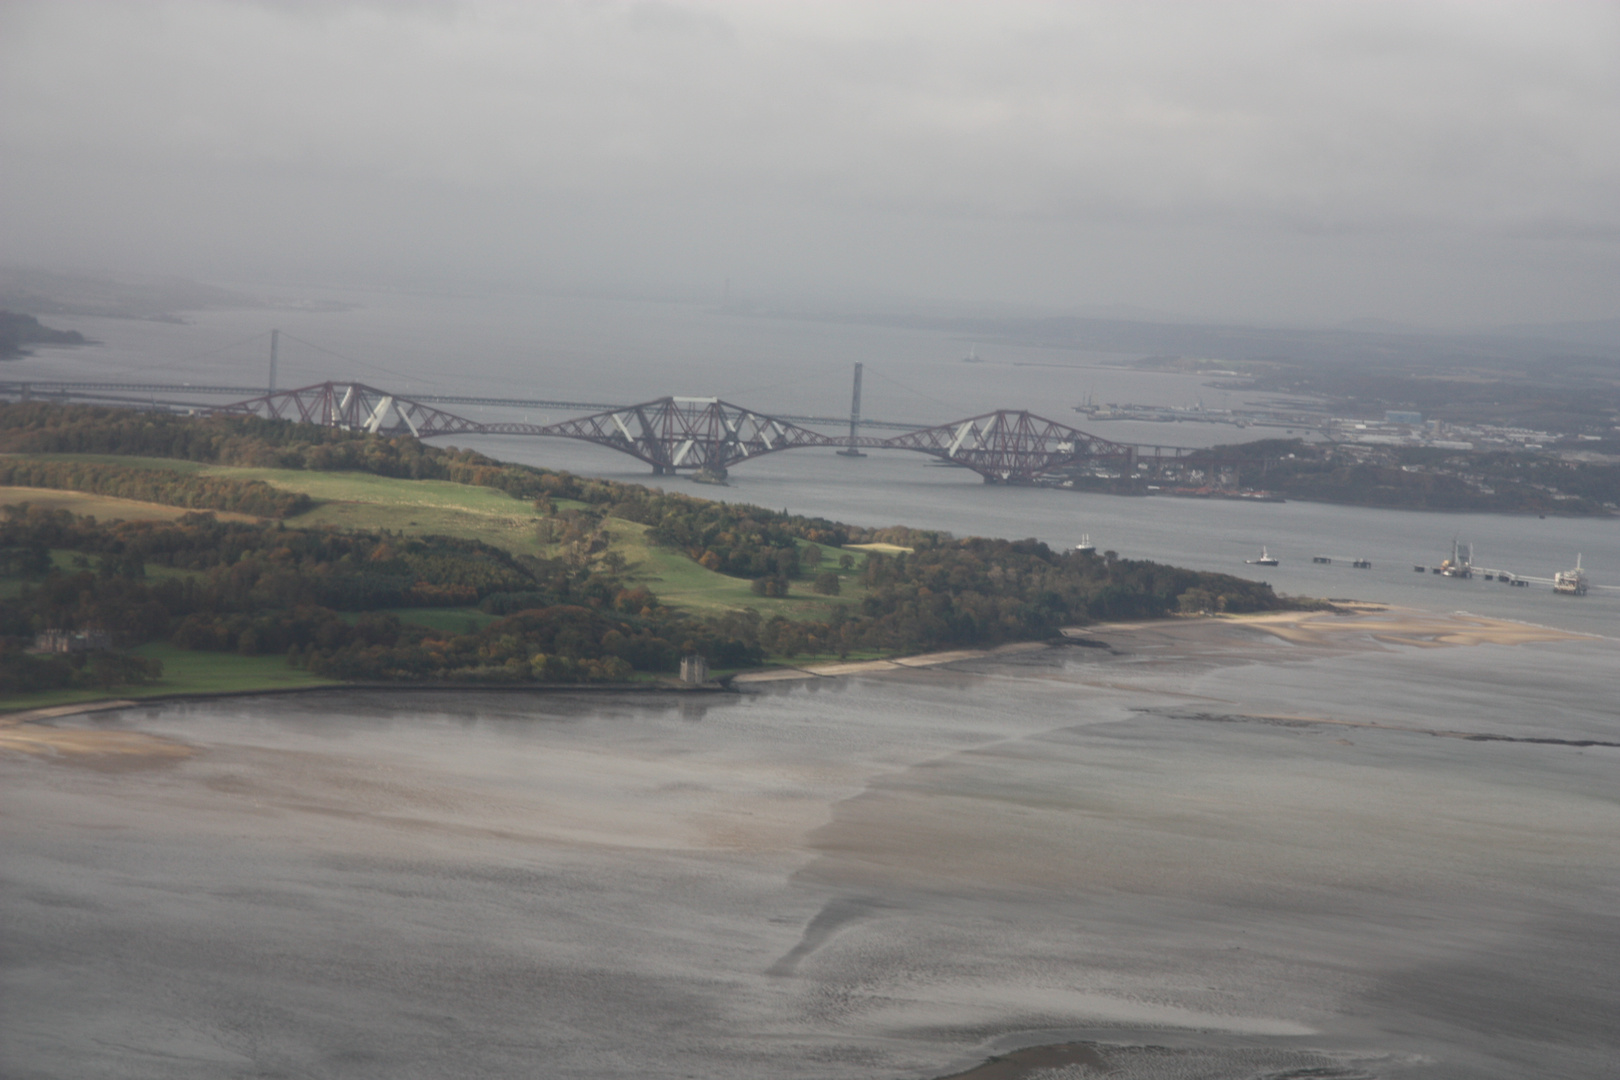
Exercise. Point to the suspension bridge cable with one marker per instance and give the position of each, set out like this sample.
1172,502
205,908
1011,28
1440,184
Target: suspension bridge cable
357,360
426,381
910,390
776,386
183,359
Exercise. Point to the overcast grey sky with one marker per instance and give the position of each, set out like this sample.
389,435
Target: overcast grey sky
1439,163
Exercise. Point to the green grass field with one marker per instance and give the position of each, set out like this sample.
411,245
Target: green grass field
186,672
170,464
345,500
682,583
101,507
419,507
363,501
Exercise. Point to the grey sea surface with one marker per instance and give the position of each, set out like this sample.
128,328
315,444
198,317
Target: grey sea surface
619,352
1208,849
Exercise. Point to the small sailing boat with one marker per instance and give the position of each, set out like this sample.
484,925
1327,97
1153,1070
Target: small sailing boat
1085,545
1266,558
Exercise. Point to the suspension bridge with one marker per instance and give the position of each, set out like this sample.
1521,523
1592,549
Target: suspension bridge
704,435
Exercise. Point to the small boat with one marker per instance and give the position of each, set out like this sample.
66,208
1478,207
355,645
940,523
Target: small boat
1266,558
1085,545
1361,564
973,356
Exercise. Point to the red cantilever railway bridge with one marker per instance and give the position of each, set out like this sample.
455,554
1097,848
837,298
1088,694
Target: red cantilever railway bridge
675,434
672,434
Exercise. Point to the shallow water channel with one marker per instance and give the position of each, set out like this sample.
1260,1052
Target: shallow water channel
1212,850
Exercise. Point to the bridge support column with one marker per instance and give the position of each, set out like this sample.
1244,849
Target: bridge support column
854,418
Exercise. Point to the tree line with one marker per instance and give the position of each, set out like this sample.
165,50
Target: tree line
1422,477
36,427
21,673
262,588
162,486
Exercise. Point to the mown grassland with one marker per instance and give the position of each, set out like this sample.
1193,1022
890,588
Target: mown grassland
186,672
130,461
102,507
365,501
680,582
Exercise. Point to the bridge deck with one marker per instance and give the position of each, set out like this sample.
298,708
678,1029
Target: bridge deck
669,433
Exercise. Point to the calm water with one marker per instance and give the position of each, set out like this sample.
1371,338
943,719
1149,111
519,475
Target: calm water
1225,854
619,351
880,877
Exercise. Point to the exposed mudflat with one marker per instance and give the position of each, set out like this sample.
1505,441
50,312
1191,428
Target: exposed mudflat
1385,845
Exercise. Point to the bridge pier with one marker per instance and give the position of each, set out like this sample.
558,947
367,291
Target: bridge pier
854,418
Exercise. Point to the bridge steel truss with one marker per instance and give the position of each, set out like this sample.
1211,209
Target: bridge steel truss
1011,447
675,434
356,407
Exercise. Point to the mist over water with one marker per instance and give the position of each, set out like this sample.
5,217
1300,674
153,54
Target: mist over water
619,352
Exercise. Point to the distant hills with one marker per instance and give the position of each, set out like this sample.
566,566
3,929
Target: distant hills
1601,333
159,299
1369,345
18,331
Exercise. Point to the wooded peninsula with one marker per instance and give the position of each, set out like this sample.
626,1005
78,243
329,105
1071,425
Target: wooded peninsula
289,554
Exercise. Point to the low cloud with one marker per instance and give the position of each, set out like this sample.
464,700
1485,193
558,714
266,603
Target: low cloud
1266,160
